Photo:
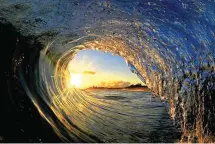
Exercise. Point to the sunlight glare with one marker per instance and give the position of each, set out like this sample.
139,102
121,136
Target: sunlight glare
75,80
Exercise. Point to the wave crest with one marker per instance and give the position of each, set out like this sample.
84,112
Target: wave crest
170,46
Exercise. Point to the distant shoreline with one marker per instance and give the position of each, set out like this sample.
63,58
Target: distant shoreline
129,88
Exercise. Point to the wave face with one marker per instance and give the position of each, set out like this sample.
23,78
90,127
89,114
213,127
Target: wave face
168,44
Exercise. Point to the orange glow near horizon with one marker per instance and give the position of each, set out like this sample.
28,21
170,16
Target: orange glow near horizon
87,71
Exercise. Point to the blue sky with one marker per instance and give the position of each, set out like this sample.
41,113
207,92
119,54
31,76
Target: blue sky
107,68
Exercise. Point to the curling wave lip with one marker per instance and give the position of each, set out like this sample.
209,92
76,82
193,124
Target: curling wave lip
170,44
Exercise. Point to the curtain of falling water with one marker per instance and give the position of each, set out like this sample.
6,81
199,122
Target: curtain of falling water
170,45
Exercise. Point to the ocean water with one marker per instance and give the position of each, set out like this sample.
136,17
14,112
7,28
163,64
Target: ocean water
134,117
168,44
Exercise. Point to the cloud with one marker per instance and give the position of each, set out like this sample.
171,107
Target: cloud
114,84
89,72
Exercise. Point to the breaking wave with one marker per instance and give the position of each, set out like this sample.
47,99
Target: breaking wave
168,44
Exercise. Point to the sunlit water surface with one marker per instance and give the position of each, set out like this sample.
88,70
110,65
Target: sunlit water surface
135,117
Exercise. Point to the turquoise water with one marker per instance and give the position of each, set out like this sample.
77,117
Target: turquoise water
133,117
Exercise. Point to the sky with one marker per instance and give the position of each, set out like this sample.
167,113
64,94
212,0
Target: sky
102,69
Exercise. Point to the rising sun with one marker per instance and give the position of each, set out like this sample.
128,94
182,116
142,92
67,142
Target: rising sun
75,80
